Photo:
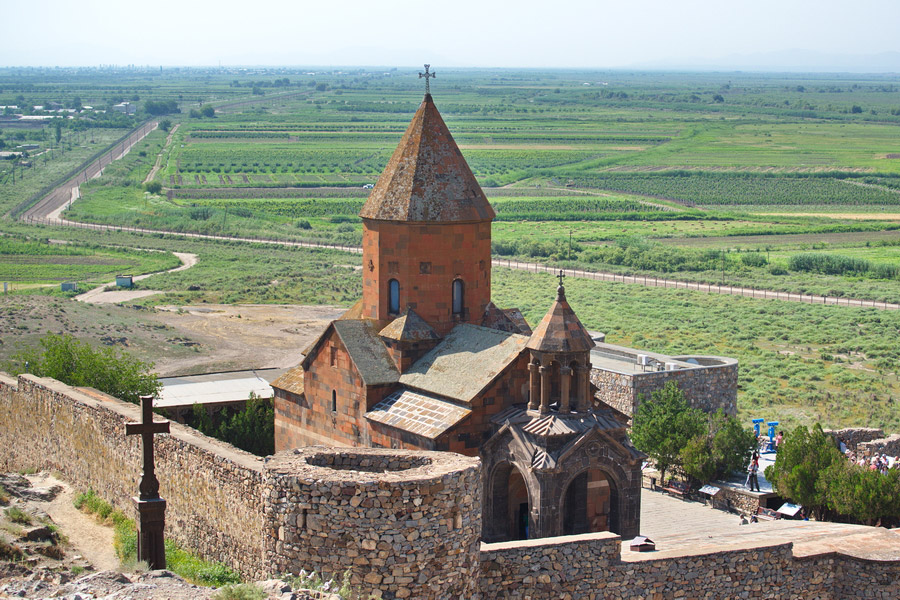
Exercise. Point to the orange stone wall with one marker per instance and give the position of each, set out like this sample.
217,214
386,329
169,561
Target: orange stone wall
308,420
425,258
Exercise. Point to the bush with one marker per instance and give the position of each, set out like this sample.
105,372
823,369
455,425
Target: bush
154,187
78,364
802,457
17,515
241,591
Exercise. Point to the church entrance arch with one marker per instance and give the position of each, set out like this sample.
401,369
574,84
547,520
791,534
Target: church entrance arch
591,504
510,503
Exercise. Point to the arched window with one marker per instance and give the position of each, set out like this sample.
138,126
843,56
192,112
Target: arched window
458,290
393,296
333,400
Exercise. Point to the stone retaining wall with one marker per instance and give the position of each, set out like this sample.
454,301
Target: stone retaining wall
853,436
889,445
406,523
708,388
213,490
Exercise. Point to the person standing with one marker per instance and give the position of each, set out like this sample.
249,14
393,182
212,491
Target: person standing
752,473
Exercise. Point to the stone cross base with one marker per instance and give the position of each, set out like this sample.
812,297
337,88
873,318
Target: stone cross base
151,522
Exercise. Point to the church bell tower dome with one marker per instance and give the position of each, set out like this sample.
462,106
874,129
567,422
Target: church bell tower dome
427,231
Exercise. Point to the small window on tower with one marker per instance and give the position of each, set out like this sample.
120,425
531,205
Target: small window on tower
425,268
333,400
393,296
458,296
333,356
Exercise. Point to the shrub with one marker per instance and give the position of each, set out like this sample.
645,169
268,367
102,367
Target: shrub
17,515
241,591
76,363
154,187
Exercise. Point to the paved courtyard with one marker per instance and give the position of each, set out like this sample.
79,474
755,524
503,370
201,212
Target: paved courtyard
685,527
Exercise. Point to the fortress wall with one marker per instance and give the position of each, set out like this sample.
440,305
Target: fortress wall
406,523
853,436
213,490
589,566
708,388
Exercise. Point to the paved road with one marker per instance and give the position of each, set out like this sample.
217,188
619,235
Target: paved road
53,202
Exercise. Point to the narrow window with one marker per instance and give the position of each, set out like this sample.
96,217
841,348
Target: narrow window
333,356
457,296
333,400
393,296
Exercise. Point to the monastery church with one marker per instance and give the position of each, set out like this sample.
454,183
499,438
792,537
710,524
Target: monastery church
426,361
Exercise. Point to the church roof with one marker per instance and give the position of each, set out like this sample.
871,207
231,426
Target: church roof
409,327
418,413
560,330
508,319
464,362
367,351
427,178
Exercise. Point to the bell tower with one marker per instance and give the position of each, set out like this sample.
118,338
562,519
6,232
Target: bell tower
427,231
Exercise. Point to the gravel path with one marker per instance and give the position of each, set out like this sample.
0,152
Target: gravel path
91,539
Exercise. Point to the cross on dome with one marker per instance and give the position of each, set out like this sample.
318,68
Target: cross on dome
427,76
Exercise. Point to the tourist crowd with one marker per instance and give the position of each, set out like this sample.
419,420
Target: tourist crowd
878,462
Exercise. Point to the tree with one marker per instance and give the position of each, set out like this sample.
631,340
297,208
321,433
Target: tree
57,130
863,495
154,187
802,458
76,363
208,111
251,429
664,424
165,124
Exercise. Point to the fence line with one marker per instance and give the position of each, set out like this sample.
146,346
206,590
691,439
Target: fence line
514,264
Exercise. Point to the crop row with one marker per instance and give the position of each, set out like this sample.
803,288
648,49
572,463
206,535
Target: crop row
506,208
710,190
202,158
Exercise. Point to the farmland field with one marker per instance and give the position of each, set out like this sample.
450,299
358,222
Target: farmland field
781,182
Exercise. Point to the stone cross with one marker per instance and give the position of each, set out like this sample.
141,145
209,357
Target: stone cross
427,75
561,275
151,508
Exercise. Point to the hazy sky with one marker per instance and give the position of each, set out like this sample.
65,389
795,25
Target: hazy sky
481,33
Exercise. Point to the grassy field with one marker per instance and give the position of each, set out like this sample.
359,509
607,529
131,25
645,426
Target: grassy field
705,177
24,262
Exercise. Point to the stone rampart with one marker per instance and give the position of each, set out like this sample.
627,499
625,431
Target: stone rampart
406,523
853,436
213,490
707,387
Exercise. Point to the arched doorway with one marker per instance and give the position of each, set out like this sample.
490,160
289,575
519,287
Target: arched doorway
590,504
510,505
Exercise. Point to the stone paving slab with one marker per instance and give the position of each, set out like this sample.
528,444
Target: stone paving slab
682,528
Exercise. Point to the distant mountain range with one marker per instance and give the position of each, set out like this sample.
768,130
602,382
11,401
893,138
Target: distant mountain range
794,60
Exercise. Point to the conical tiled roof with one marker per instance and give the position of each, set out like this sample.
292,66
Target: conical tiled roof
560,330
427,178
409,328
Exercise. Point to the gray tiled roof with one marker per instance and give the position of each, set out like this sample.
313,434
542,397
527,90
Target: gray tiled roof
418,413
367,351
465,362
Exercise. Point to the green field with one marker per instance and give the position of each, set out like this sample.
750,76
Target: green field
773,181
24,263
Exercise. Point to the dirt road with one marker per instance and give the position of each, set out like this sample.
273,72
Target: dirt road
100,295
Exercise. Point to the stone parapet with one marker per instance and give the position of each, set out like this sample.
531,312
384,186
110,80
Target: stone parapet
212,489
709,387
405,523
854,436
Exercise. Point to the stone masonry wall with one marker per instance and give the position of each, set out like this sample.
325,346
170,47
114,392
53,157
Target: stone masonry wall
708,388
589,567
212,489
854,436
406,523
